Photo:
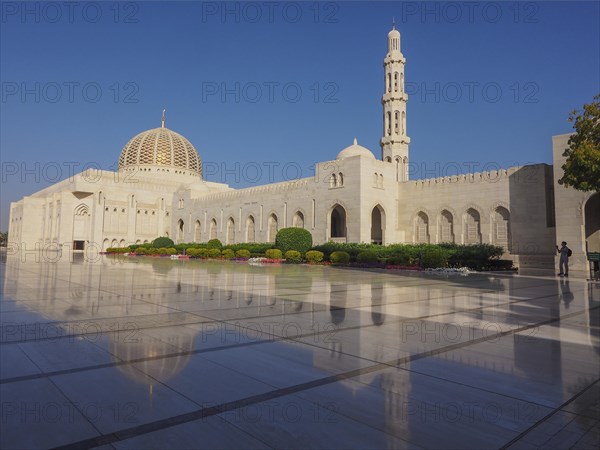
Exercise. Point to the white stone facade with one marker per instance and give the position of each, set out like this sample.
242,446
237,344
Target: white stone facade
159,191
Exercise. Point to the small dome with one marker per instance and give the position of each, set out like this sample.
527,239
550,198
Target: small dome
394,33
355,150
160,148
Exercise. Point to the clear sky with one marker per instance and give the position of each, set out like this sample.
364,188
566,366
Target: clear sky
277,86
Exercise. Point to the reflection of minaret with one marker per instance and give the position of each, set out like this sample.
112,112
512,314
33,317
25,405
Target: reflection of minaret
394,143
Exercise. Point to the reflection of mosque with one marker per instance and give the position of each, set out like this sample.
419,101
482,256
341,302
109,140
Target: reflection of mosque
515,360
161,296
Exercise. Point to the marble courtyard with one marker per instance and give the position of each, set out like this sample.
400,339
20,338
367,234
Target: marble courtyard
155,353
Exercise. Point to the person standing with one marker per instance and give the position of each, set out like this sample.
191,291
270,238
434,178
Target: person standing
563,262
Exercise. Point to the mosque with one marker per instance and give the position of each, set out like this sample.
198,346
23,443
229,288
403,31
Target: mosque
158,190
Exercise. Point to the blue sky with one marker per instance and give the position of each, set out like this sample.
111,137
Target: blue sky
489,83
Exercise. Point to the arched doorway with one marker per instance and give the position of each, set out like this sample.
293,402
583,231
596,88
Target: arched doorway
377,221
592,223
338,222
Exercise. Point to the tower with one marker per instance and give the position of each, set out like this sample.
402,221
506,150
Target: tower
394,143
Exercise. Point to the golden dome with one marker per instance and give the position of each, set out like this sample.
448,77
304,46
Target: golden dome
161,149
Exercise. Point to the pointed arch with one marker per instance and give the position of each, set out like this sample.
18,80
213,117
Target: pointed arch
501,227
250,229
197,231
272,227
446,226
82,210
337,221
377,224
333,180
298,220
422,228
472,226
230,235
212,230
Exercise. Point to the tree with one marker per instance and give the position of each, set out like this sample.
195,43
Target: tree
582,167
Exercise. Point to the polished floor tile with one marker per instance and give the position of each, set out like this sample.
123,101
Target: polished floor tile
154,353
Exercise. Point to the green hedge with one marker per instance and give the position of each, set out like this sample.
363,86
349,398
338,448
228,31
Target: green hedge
367,256
214,243
339,257
213,253
293,238
243,253
274,253
293,256
314,256
116,250
163,242
478,257
228,253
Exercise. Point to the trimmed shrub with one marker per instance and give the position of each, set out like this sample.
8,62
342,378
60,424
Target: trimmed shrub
191,252
293,238
213,253
368,256
242,253
202,252
273,253
214,243
140,251
293,256
228,254
314,256
162,242
339,257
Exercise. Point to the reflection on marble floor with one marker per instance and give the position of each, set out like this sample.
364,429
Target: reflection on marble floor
154,353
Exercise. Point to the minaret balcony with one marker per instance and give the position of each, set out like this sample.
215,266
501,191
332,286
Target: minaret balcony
391,58
391,96
397,139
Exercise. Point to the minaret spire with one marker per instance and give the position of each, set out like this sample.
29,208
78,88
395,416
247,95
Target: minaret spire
394,143
162,125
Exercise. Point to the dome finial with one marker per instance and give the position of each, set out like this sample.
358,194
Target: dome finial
163,119
355,141
394,23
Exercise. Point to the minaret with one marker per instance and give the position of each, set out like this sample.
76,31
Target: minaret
394,143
